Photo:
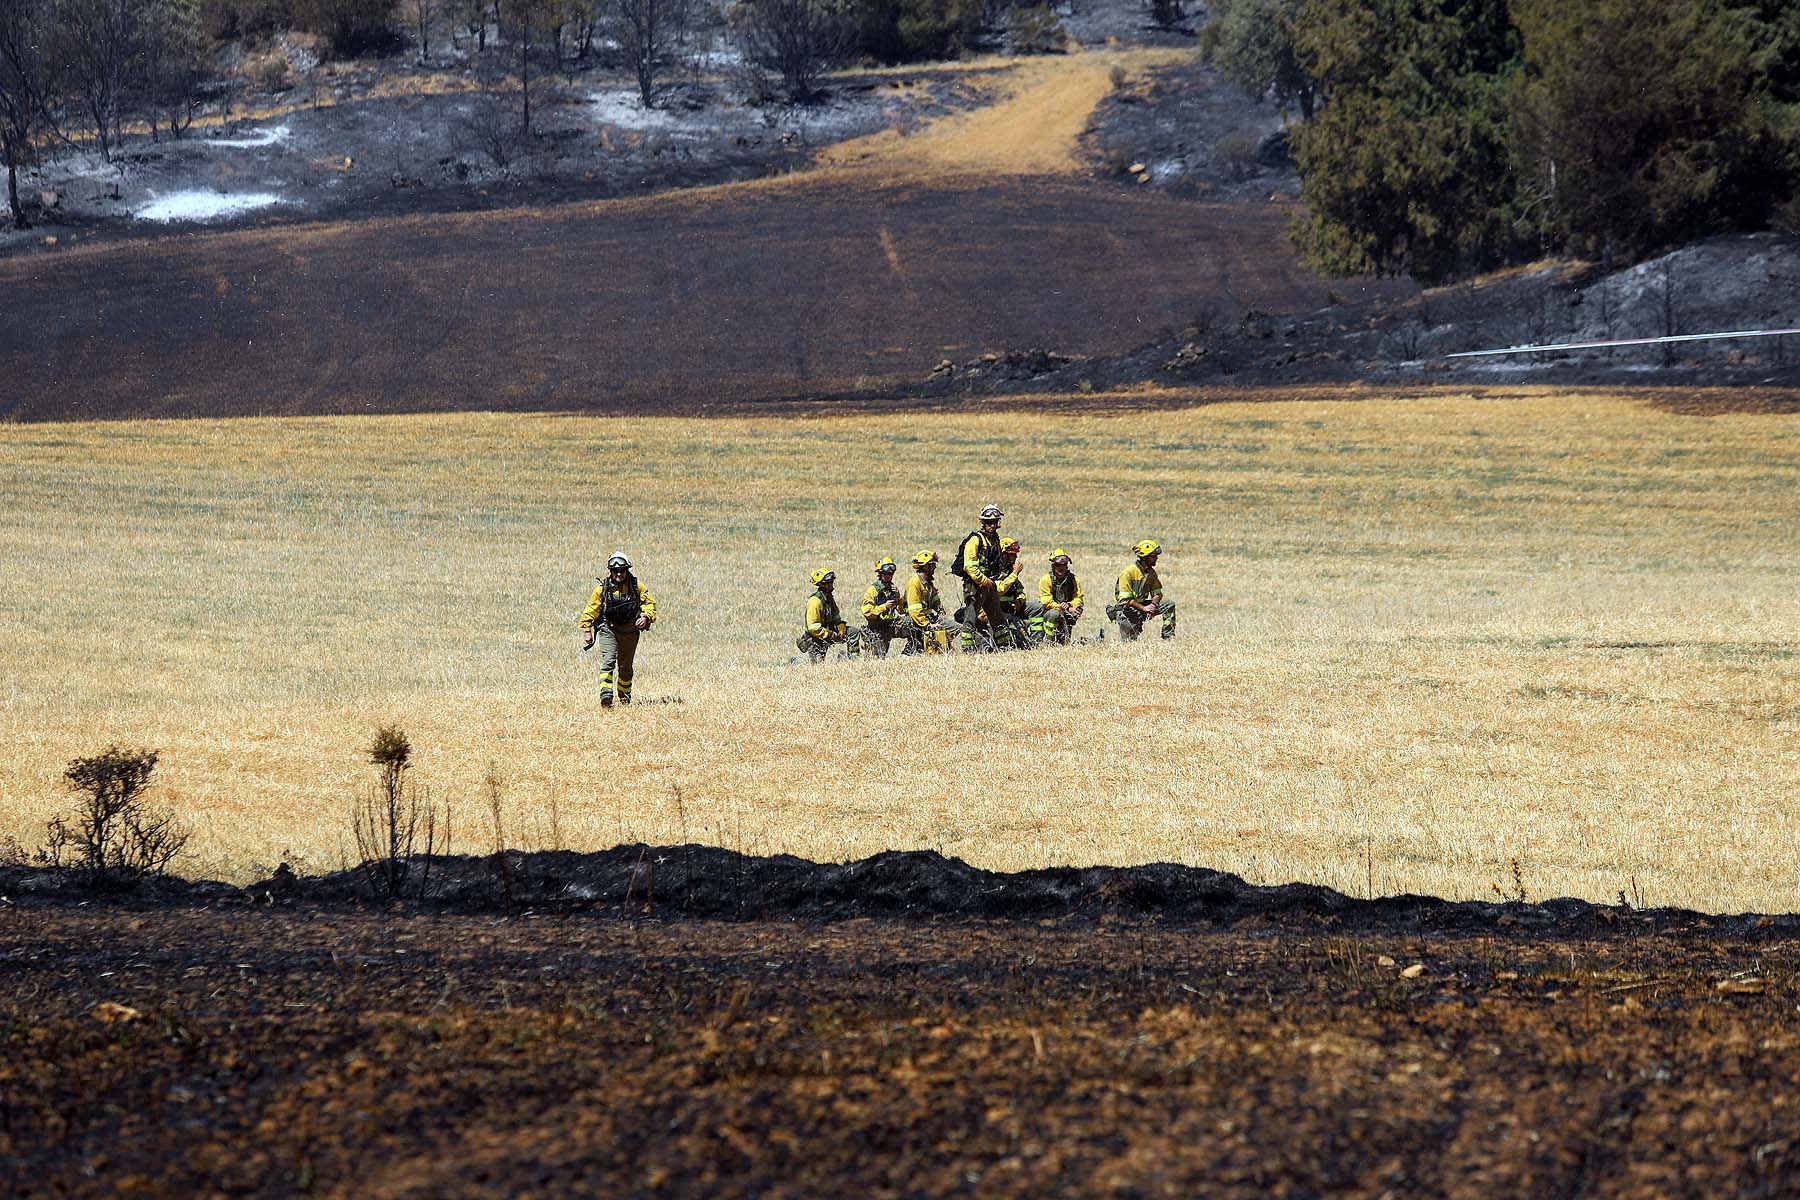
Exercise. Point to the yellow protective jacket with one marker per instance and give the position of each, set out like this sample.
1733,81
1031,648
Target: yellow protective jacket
881,603
922,600
822,619
1010,586
1067,591
980,554
590,616
1140,585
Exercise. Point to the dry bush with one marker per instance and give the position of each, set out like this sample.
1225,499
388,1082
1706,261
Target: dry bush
114,836
396,825
271,72
1036,30
1236,151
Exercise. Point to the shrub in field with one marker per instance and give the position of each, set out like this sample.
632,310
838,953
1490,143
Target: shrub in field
1236,151
353,26
236,18
114,835
1036,30
1167,13
912,30
395,818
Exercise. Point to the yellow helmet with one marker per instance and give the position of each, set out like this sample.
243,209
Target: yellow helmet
883,564
1146,548
924,558
1059,553
1008,544
823,575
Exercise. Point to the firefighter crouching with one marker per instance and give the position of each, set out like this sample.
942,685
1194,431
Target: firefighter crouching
1014,609
825,626
1140,595
881,608
1059,602
927,631
618,612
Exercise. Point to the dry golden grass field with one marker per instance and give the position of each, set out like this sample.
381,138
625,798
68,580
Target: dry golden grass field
1420,637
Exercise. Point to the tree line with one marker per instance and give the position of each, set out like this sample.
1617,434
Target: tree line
1439,138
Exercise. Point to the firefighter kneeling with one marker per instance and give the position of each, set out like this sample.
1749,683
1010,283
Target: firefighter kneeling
1140,596
825,627
1059,602
927,631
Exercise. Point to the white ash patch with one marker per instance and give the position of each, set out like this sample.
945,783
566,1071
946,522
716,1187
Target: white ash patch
724,59
205,206
624,109
262,137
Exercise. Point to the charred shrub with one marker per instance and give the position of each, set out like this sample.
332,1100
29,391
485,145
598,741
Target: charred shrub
114,835
352,26
1167,14
221,19
395,820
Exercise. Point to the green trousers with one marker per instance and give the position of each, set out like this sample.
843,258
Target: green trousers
1131,622
618,647
1051,623
878,636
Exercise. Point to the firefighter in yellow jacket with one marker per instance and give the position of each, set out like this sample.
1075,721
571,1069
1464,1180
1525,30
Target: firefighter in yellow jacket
927,630
1014,608
978,562
1140,595
618,612
1059,601
882,606
825,626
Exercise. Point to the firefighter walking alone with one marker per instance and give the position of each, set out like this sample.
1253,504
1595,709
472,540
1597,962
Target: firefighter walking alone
618,612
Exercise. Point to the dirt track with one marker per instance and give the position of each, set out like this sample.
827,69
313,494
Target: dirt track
270,1051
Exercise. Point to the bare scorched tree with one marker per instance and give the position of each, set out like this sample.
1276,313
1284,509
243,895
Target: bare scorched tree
26,84
648,33
101,42
798,39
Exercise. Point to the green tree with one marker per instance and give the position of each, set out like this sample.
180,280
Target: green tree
894,31
1640,123
1251,42
1406,168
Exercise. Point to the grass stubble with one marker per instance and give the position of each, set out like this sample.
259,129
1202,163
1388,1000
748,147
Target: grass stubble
1421,637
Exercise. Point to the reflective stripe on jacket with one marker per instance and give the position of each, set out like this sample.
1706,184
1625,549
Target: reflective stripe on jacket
980,557
590,616
1067,590
1139,584
922,600
881,603
822,616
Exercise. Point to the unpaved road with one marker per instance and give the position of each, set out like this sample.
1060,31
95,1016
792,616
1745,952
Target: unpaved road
273,1051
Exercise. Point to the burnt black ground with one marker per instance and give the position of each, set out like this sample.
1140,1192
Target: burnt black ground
706,882
1150,1032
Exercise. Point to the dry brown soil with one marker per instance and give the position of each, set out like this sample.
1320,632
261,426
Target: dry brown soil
668,304
276,1051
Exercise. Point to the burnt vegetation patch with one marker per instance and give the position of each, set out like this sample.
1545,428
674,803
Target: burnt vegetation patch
672,883
322,1051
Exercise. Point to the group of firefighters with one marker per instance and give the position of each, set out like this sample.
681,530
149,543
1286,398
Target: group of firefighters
996,613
